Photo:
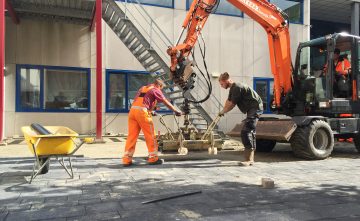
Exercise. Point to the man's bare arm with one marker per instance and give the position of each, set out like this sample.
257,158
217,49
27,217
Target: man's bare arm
227,107
171,107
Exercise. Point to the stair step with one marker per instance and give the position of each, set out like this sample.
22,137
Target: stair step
162,74
150,63
108,13
105,6
124,33
177,97
113,19
135,45
174,92
129,39
143,58
119,26
158,67
140,51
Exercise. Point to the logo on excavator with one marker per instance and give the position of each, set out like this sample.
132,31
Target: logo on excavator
251,4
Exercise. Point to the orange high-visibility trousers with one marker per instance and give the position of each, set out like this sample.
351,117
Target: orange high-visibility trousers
140,119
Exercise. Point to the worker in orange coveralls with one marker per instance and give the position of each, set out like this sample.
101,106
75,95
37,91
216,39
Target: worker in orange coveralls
140,118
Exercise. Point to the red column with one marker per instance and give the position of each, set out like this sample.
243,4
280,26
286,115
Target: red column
2,64
98,15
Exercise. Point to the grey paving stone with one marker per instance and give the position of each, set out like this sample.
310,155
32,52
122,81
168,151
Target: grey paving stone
17,207
89,201
53,204
55,219
49,213
102,207
337,211
151,214
3,215
98,216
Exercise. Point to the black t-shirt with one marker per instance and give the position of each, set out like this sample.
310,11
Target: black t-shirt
244,97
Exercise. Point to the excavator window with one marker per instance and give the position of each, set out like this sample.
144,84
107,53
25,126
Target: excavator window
312,61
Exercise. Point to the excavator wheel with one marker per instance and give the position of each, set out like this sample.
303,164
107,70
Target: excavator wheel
314,141
357,142
265,146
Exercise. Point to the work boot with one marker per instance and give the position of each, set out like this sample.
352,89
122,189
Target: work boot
248,157
126,161
127,164
158,162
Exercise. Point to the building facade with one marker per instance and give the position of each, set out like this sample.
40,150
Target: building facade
50,75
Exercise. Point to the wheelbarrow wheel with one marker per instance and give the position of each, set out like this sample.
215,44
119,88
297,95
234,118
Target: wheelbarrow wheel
45,169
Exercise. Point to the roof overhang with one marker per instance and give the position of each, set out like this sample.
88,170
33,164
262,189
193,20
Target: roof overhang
74,11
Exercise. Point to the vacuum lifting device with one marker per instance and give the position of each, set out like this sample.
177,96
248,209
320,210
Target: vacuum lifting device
312,96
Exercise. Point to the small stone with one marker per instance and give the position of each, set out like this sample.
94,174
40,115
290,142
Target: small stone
267,183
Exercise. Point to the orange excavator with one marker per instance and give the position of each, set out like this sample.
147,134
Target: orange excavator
307,92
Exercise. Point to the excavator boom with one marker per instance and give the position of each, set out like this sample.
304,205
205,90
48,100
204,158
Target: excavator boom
270,17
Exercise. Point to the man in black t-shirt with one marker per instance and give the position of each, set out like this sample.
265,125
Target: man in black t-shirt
250,103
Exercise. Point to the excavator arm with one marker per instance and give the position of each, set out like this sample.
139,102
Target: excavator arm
194,22
270,17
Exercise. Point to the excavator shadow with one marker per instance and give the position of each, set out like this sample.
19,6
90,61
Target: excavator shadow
281,153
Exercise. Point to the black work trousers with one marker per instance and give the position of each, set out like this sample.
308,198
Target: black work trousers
248,132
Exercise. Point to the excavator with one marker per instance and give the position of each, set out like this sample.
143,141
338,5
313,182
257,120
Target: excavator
311,93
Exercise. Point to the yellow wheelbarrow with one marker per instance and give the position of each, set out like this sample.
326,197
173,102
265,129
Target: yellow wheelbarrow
50,142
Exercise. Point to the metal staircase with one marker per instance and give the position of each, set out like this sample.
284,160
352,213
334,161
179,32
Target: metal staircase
148,44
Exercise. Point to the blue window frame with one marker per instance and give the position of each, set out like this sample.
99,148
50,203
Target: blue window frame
121,88
159,3
224,8
264,87
52,89
293,8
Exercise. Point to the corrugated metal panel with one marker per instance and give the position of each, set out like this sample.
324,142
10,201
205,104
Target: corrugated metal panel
71,11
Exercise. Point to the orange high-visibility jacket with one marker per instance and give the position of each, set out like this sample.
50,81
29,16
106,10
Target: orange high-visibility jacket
139,100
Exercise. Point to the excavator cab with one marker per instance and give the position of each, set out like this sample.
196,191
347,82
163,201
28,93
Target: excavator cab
326,77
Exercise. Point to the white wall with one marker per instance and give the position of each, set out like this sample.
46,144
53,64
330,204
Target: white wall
236,45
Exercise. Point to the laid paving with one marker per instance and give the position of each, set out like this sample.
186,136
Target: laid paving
104,190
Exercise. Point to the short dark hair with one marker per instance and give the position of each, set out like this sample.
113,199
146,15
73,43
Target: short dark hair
337,51
159,82
224,76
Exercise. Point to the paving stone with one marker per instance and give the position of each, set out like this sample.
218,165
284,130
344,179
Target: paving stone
3,215
102,207
151,214
337,211
61,203
17,206
98,216
89,201
305,190
57,212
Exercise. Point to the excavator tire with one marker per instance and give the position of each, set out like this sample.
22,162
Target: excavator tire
265,146
314,141
357,142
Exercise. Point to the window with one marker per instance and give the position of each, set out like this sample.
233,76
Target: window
264,87
30,88
294,9
224,8
122,87
161,3
52,89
